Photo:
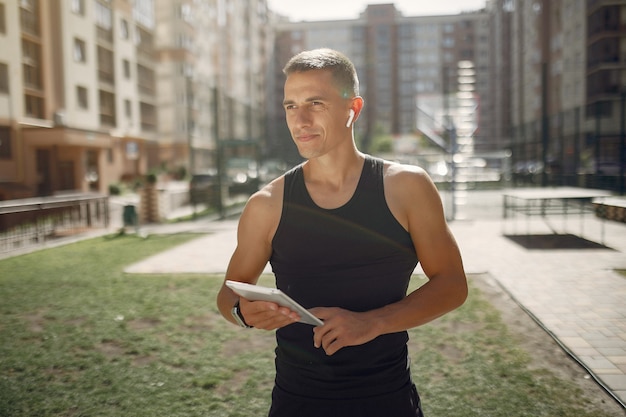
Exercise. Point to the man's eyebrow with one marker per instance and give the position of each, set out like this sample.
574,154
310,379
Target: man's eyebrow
308,100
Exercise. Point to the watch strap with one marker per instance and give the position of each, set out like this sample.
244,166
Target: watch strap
236,312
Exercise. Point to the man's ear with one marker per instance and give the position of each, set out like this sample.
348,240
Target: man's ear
357,106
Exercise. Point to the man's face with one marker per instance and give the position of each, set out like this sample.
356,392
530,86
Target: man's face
316,112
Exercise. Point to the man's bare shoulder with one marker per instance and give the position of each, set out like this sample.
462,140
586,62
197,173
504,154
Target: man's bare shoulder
409,187
266,204
409,192
403,175
412,196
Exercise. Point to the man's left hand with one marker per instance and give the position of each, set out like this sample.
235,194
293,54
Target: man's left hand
341,328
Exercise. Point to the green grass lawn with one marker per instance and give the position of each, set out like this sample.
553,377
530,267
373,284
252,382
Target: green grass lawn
79,337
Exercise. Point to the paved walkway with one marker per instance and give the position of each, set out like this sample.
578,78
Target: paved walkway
574,293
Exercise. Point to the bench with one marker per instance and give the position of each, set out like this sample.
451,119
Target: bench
610,208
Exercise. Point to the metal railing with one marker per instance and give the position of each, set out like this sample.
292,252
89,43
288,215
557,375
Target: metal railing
31,222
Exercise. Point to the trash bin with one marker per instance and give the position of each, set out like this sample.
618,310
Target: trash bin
129,215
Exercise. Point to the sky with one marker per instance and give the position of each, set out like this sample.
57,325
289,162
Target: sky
298,10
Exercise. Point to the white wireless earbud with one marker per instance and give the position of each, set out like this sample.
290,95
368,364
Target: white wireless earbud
350,118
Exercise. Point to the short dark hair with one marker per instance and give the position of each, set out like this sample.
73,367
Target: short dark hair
342,68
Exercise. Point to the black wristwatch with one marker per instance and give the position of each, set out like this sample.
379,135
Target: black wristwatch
236,312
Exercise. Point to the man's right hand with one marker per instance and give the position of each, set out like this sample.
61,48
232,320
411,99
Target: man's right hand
266,315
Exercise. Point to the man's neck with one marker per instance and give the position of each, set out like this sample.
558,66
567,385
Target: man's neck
334,169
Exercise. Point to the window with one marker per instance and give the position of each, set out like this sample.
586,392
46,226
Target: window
406,30
4,78
185,13
78,7
107,108
27,4
143,39
148,117
30,51
143,12
80,50
33,106
448,42
29,17
3,25
145,79
126,64
81,97
106,72
128,109
103,16
5,142
31,64
124,34
31,76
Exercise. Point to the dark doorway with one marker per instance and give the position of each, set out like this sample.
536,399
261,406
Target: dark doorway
44,177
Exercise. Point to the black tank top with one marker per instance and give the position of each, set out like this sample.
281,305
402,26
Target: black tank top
357,257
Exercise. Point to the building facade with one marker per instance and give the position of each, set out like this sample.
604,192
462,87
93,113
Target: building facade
568,69
98,92
606,92
541,81
79,112
212,57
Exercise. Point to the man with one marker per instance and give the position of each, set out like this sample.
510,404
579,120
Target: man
343,232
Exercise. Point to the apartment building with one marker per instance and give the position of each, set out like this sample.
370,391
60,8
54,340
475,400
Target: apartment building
78,111
540,80
538,77
568,69
95,92
212,58
606,90
500,66
408,68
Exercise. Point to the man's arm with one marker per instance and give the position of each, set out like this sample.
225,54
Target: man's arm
415,202
255,231
437,250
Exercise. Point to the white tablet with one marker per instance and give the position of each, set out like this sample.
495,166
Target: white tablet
258,293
